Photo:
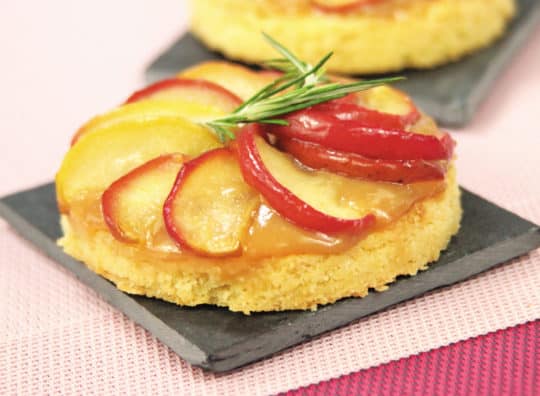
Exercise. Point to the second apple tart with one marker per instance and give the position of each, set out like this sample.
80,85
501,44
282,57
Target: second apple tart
366,36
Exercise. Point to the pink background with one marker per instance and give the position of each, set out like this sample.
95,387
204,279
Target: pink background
63,62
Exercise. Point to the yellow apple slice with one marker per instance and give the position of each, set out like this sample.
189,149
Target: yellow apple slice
319,200
193,90
389,100
103,156
384,99
149,110
133,205
210,207
238,79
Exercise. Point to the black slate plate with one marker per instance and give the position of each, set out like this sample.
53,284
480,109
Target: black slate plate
220,340
450,93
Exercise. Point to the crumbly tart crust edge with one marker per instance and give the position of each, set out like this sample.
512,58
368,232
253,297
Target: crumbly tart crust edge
282,283
425,35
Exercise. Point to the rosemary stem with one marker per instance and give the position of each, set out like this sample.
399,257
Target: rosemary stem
301,86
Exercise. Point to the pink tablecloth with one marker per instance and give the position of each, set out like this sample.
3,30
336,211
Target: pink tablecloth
500,363
64,61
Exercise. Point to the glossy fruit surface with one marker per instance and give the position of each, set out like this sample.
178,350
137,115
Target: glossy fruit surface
358,166
101,157
210,207
354,134
148,110
189,90
388,100
346,109
306,199
132,206
238,79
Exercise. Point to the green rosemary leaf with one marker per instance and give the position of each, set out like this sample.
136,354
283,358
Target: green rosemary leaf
274,122
301,66
222,132
301,86
296,81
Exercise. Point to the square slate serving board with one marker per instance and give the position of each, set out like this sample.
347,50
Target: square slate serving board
450,93
219,340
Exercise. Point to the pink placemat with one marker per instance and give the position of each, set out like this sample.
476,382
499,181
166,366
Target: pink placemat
500,363
65,61
59,336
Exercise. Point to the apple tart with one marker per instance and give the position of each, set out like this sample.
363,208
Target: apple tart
330,201
367,36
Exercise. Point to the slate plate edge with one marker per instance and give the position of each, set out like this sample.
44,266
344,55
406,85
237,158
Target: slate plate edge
456,112
106,290
245,352
477,96
505,250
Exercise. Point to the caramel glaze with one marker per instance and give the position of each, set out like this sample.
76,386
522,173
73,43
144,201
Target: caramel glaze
272,235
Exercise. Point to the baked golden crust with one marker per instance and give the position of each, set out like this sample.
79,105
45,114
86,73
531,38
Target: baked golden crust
113,211
277,283
391,36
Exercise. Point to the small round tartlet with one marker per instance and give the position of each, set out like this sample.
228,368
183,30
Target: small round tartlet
370,36
126,166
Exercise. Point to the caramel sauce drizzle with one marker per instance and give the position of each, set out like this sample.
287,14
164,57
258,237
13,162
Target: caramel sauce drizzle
271,235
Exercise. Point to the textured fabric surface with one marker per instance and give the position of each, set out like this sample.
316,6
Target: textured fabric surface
57,336
501,363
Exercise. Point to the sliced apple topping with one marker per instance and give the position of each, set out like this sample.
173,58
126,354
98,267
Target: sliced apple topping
154,176
238,79
191,90
210,207
342,6
133,205
358,166
147,111
309,199
103,156
348,131
389,100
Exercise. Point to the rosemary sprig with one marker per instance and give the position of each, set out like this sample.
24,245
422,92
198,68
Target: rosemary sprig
301,86
292,65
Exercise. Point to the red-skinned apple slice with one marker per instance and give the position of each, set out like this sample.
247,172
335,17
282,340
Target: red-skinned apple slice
115,150
239,79
355,165
391,101
388,104
318,125
210,206
261,164
195,90
131,210
347,110
341,6
147,110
